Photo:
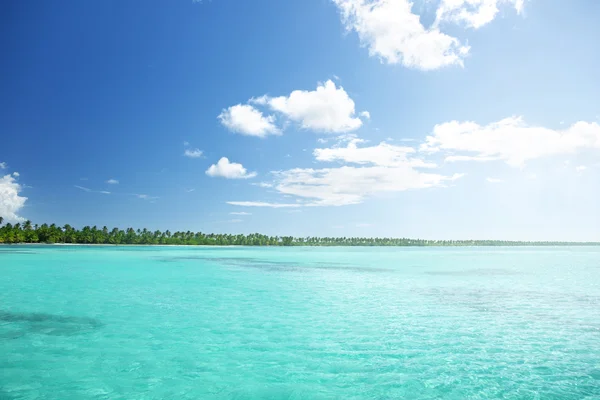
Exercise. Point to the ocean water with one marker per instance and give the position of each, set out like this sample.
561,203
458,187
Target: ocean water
299,323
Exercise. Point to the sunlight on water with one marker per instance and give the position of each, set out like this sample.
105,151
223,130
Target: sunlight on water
299,323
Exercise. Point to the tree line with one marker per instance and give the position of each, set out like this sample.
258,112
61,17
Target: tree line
29,233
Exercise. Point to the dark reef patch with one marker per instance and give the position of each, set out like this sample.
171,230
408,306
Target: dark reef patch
50,324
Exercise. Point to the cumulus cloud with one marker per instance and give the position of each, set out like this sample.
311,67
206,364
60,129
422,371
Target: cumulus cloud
392,32
240,213
510,140
230,170
247,120
16,174
11,202
472,13
112,182
326,109
3,165
193,153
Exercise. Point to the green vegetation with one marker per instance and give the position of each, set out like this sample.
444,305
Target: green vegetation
28,233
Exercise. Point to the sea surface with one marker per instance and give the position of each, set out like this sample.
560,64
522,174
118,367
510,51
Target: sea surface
202,323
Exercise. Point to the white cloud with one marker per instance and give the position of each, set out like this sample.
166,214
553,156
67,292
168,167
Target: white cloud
83,188
263,184
10,200
16,174
193,153
240,213
381,169
383,154
189,190
112,182
365,114
225,169
472,13
145,197
493,180
186,143
247,120
326,109
580,168
390,30
3,165
88,190
510,140
351,185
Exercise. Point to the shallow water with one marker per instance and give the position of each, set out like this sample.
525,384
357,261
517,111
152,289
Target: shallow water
299,323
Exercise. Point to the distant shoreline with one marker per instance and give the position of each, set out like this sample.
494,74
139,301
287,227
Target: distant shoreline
529,244
28,233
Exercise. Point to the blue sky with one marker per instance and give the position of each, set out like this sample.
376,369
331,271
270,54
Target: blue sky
447,119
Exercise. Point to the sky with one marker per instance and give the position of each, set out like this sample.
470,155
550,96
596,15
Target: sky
436,119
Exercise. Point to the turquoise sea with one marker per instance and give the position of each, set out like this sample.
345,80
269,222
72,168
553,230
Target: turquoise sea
299,323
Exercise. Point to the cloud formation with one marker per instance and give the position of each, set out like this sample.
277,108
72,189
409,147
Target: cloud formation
351,185
112,182
384,154
11,202
247,120
230,170
472,13
392,32
510,140
193,153
328,108
382,168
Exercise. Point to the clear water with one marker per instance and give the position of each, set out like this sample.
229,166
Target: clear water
299,323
